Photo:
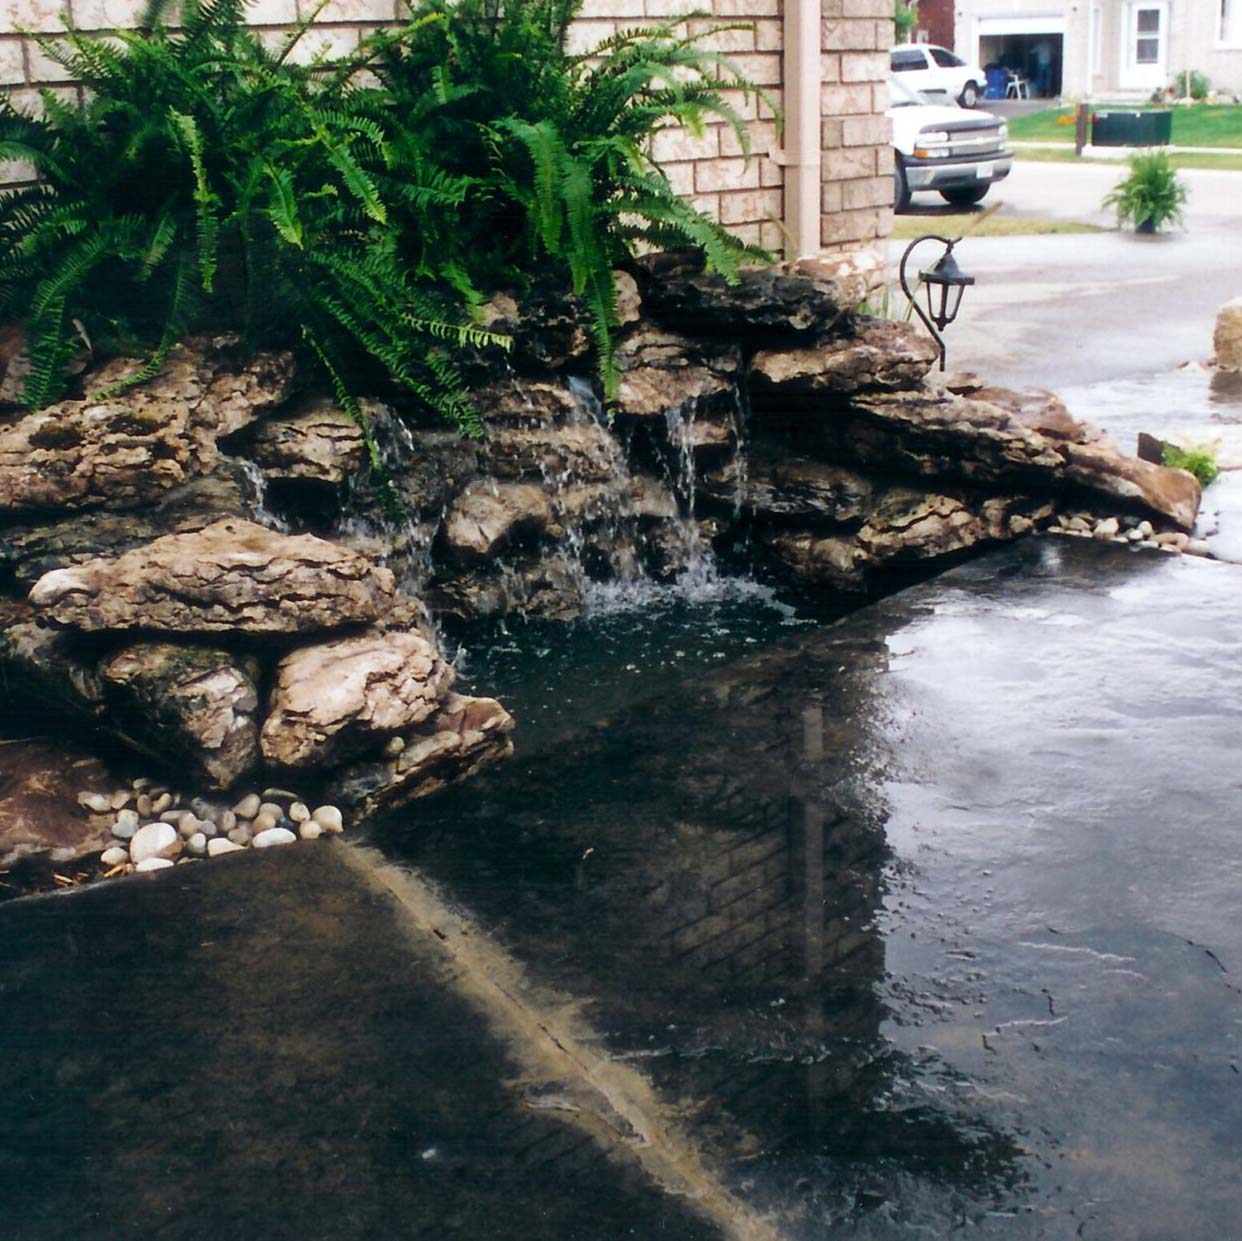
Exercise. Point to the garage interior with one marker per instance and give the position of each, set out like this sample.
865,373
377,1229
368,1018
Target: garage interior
1023,56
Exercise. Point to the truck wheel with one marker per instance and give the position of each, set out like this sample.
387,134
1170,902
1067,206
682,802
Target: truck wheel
901,187
970,95
964,198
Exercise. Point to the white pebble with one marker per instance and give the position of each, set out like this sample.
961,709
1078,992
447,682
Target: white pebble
273,794
1145,529
161,803
299,812
248,807
97,803
310,830
200,807
329,818
154,840
126,824
263,821
153,863
226,820
393,746
140,783
1197,547
120,799
197,844
241,836
144,805
208,828
114,856
270,807
274,836
188,826
219,846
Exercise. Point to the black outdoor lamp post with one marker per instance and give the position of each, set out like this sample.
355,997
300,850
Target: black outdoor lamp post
945,283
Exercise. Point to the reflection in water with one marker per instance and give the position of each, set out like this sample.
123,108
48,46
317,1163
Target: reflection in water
706,870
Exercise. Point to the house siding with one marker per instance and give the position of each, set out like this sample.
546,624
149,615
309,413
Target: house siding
747,196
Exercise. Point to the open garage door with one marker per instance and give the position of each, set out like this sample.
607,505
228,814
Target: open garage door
1030,50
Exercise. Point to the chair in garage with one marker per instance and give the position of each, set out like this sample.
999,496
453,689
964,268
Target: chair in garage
1017,87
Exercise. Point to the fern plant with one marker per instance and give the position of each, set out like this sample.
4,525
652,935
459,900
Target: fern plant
208,183
551,150
1151,196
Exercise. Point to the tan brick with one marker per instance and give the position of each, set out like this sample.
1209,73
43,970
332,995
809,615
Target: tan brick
885,35
857,131
677,144
42,68
762,68
731,41
867,192
611,8
770,174
586,36
277,12
772,236
18,15
830,197
746,8
849,163
831,8
27,99
93,14
884,161
680,176
671,8
830,67
12,62
711,175
328,42
845,100
348,11
762,135
750,206
831,129
769,36
880,97
864,67
860,225
708,204
867,8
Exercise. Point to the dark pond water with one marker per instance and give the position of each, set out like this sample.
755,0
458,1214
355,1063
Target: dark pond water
922,924
928,920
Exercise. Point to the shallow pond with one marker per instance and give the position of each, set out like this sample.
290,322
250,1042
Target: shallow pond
920,923
928,919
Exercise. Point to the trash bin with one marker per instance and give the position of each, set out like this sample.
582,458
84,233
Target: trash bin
996,77
1131,129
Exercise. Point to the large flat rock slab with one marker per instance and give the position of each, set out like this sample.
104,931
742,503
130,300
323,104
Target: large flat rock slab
231,577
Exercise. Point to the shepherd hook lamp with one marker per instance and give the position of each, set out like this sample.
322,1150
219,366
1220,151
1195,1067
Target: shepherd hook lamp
944,281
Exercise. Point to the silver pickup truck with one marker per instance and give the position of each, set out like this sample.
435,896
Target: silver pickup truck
955,151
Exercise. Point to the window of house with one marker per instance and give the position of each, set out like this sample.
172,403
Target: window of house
945,59
903,62
1231,23
1147,37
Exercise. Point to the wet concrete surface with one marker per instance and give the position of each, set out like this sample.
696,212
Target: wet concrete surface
919,924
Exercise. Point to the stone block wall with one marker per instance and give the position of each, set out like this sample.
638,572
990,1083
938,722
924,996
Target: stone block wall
711,170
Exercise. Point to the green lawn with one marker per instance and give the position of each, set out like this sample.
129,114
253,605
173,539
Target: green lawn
1198,125
1227,160
977,225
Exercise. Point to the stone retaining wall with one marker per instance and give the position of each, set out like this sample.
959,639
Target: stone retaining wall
747,197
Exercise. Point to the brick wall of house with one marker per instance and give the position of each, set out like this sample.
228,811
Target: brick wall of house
710,170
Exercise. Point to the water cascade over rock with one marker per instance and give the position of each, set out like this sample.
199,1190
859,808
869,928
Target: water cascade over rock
200,566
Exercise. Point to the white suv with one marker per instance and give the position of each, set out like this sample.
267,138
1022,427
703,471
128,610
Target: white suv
935,71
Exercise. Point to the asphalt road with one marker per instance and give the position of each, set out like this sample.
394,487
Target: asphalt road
1083,308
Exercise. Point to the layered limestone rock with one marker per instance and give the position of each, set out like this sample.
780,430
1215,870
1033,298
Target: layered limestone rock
131,447
487,517
1227,336
881,354
46,666
661,371
335,700
465,735
778,482
1021,444
193,707
582,451
902,527
320,442
231,577
764,302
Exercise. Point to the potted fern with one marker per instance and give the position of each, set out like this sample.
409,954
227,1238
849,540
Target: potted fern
1150,197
